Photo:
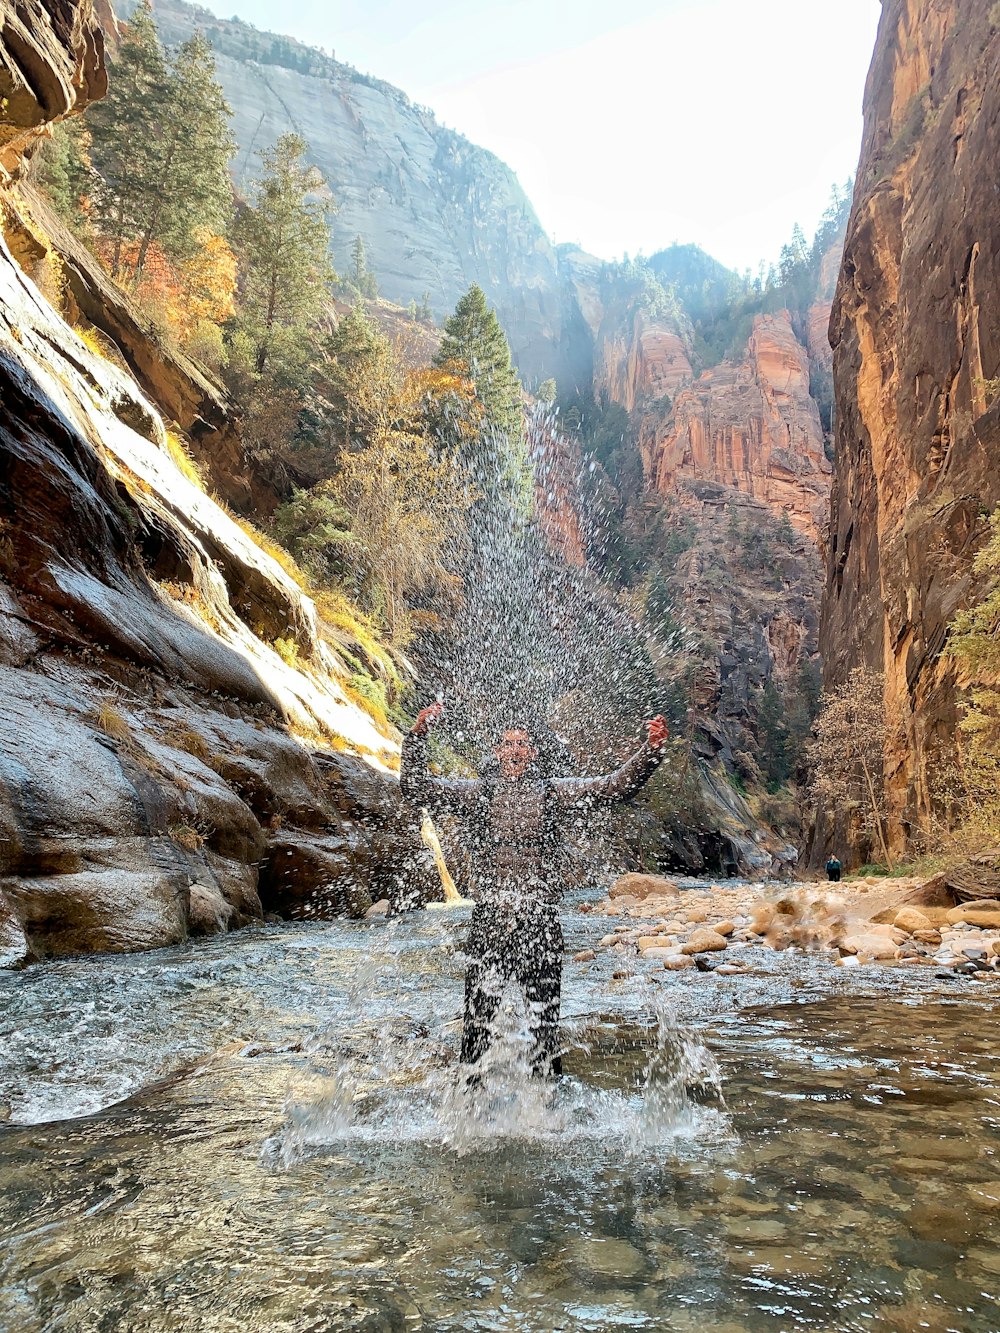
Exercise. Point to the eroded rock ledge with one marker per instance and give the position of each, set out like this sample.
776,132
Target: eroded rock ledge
165,768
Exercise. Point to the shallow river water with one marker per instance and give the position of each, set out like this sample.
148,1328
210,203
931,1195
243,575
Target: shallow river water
308,1161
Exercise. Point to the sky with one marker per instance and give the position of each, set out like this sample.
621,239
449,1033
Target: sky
630,126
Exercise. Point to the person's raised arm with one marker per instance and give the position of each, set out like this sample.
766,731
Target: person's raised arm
626,781
416,782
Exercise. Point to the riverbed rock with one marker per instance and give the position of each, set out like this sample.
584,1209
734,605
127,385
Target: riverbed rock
678,962
704,941
984,914
726,928
645,942
605,1257
584,956
911,919
870,946
638,887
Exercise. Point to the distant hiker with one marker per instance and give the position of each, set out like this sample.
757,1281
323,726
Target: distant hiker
515,823
833,869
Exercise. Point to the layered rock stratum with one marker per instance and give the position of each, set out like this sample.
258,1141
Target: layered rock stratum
916,336
178,749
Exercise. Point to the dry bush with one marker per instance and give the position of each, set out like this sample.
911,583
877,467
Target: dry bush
191,470
192,837
107,718
188,740
847,753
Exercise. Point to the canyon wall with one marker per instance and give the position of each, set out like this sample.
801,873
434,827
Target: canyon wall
736,474
180,747
436,212
916,333
752,426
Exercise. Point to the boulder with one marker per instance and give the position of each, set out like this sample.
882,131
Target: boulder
870,946
311,876
638,887
208,911
704,941
986,915
678,962
911,919
584,956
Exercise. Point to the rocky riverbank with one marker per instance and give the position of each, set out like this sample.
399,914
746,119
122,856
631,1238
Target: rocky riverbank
883,922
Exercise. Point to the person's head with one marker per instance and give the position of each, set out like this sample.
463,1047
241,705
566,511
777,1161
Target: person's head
515,751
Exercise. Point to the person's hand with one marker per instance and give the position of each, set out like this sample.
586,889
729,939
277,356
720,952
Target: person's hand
658,732
427,717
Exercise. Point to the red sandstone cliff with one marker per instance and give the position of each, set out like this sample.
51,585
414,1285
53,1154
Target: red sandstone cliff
916,332
751,427
642,361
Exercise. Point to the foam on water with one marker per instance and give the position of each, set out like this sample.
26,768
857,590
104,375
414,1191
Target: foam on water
465,1110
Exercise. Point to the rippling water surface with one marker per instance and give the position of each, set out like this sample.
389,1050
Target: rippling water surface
266,1132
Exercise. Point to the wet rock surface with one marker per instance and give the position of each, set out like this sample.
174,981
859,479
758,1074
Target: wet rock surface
153,742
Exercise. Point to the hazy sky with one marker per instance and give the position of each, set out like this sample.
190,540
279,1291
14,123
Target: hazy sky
629,125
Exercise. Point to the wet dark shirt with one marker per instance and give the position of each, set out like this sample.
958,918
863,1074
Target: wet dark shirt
515,829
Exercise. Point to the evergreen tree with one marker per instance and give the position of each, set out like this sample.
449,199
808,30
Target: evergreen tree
474,339
363,280
425,314
282,240
194,190
161,145
63,169
125,127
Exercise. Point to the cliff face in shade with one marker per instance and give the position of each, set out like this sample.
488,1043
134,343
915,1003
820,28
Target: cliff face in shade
916,332
51,64
644,361
751,427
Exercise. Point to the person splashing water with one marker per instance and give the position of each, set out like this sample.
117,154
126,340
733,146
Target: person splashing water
515,824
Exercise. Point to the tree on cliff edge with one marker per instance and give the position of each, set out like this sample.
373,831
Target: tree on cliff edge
282,240
125,138
160,143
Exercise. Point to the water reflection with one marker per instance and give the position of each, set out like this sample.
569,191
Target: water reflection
318,1174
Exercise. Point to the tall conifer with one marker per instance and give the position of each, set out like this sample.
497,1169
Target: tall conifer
473,337
282,239
126,133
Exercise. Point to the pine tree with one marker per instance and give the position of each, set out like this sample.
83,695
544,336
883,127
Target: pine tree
363,279
282,240
161,144
126,128
425,314
63,169
473,338
194,189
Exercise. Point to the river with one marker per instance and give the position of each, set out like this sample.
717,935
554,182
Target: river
265,1132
